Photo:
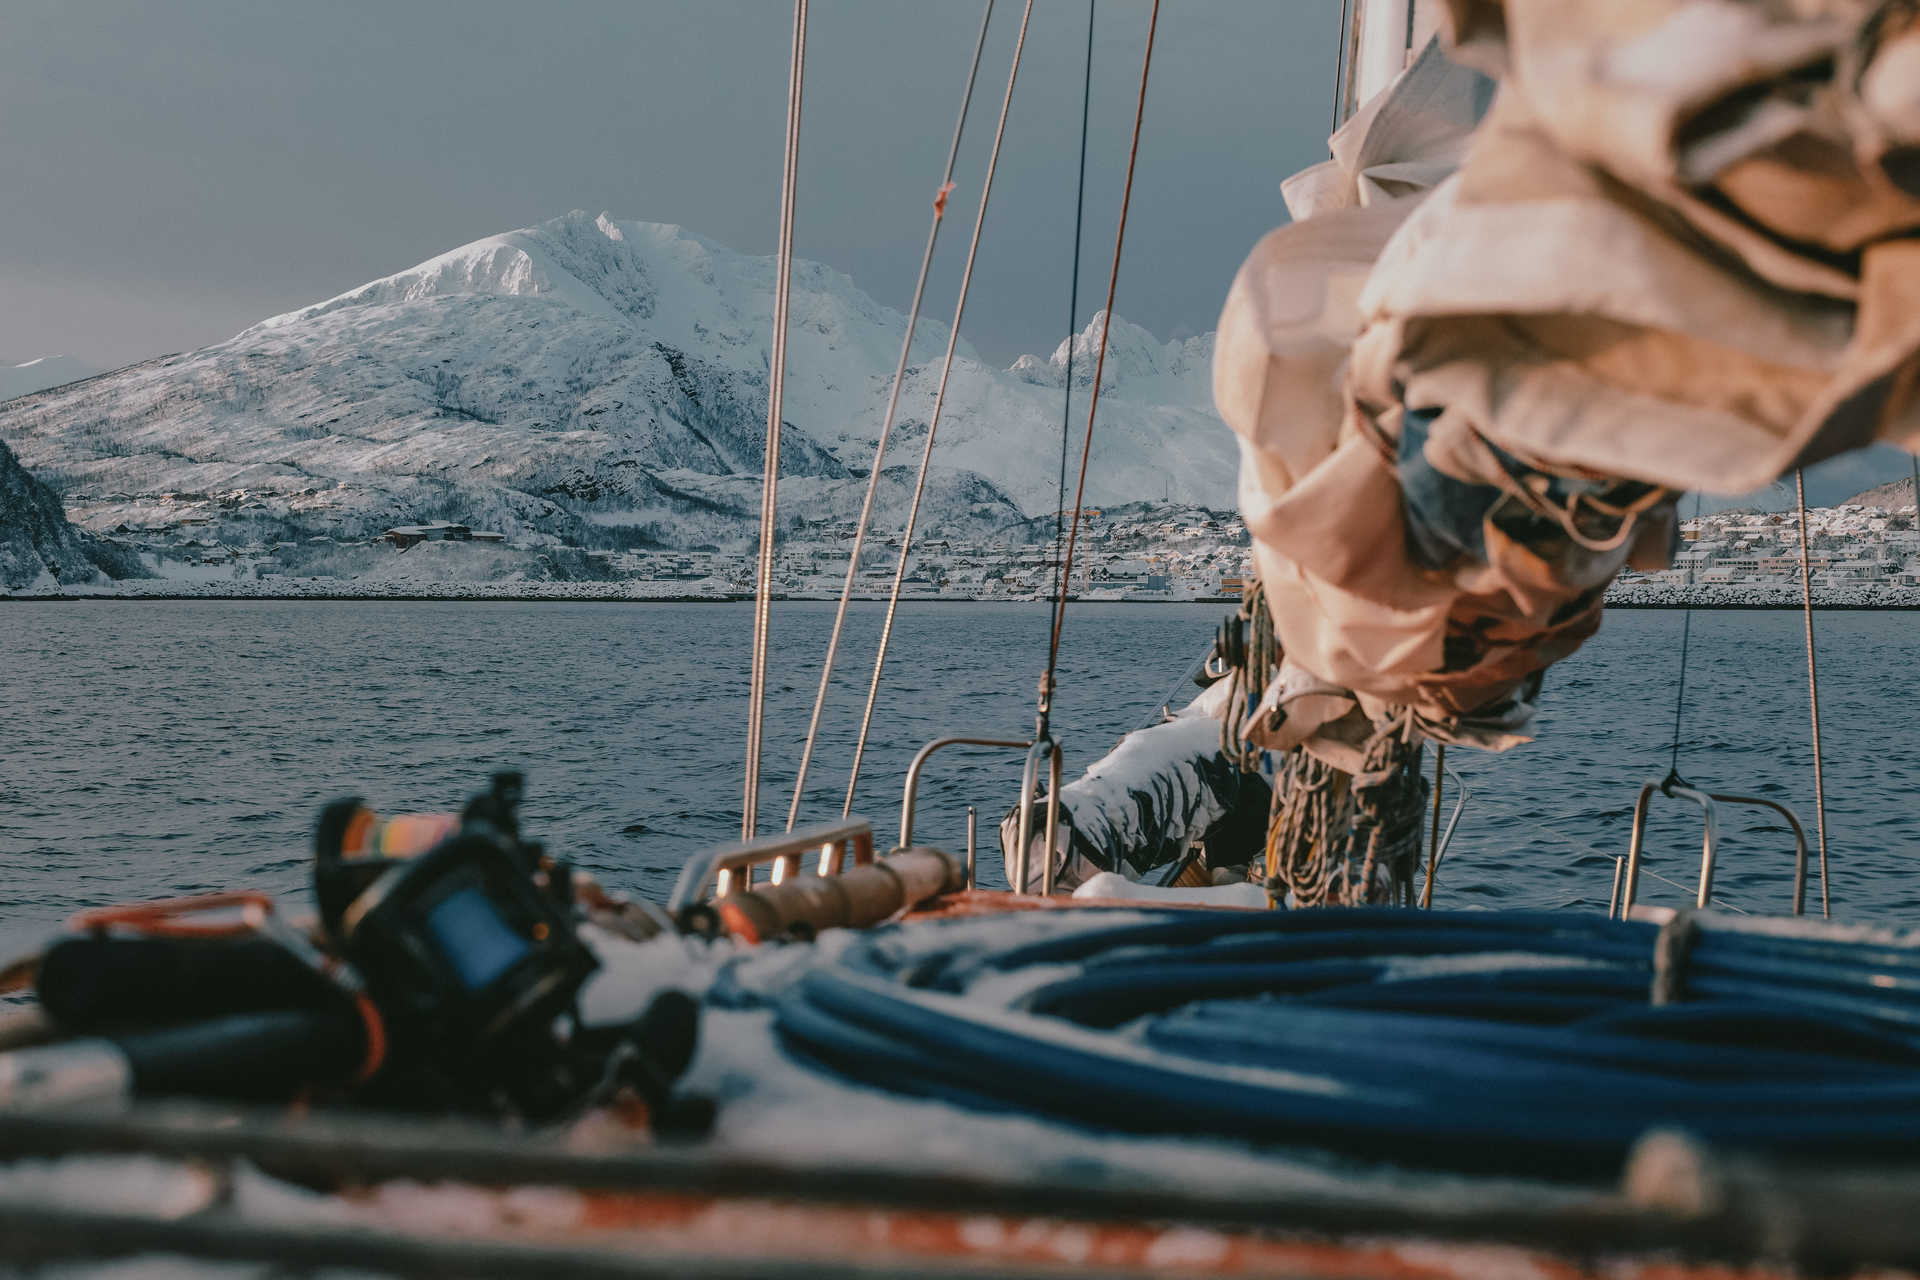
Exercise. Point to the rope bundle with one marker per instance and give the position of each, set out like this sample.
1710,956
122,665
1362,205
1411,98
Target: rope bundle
1511,1041
1250,651
1324,821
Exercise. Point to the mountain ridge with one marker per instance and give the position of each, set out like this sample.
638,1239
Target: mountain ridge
600,382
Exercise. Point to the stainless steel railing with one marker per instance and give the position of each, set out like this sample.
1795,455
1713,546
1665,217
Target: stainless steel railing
1626,883
1029,774
1017,869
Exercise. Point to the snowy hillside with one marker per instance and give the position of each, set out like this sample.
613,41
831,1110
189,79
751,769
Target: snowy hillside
37,544
603,383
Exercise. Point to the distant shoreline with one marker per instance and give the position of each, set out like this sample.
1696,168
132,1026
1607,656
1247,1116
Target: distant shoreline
1633,596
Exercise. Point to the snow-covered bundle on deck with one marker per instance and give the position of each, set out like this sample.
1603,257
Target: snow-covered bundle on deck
1163,794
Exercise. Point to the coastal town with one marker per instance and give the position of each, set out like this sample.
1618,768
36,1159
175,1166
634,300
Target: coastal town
1866,551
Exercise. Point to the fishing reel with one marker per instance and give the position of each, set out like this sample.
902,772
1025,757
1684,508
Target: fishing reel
465,937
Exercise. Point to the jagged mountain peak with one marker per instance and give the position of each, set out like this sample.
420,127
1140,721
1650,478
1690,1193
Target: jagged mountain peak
1133,354
583,260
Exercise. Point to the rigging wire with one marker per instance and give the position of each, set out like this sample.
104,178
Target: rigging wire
1340,63
1073,301
1686,639
1093,395
886,425
1813,689
933,421
776,384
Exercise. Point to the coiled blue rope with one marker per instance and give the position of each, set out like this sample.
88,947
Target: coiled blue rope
1523,1042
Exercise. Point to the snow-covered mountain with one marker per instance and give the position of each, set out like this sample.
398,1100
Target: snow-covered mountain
604,382
37,544
38,375
1895,496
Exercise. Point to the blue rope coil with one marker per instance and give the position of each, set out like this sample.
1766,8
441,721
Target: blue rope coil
1510,1041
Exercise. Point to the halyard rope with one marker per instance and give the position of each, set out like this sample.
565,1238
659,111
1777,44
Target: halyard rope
776,383
933,422
1340,65
1073,309
886,424
1093,395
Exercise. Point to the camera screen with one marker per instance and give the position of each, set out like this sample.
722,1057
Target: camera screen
474,938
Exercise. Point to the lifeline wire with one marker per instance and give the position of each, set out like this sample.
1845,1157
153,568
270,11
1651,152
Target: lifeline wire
1073,300
776,384
886,424
1813,689
933,422
1099,369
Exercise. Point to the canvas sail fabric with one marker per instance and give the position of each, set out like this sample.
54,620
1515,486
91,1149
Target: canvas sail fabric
1405,140
1678,254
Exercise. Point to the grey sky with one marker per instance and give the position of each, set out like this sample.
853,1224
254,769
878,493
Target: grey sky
177,171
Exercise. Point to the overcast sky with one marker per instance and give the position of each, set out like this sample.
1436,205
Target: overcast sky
175,172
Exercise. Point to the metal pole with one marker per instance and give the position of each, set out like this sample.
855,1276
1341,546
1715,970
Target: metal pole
973,860
933,419
886,430
1047,846
1433,851
776,384
1813,692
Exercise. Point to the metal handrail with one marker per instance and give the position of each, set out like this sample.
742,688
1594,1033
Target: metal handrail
1799,840
910,795
1017,866
1669,786
837,843
1029,775
1626,885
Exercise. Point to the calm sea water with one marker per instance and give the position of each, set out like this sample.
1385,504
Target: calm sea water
157,748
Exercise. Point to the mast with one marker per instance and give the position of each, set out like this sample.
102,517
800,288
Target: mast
1382,36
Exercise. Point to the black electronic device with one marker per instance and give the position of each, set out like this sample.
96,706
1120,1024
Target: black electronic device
470,949
445,977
